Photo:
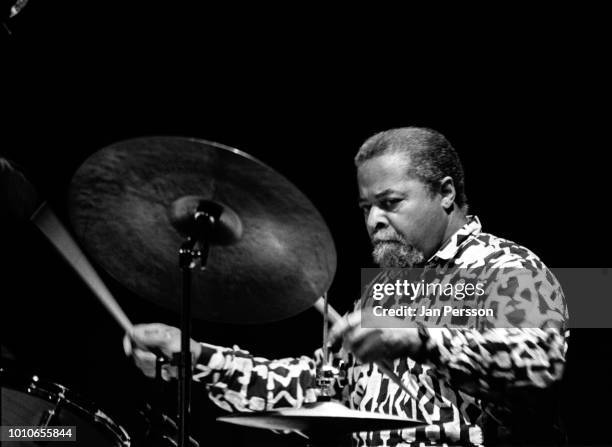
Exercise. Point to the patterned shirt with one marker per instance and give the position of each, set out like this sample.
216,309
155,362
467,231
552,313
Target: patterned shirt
467,384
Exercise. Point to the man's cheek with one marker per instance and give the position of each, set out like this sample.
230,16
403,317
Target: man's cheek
400,229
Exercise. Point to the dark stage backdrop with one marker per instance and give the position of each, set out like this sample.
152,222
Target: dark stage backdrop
82,75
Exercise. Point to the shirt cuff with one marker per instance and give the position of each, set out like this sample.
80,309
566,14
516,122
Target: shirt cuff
208,355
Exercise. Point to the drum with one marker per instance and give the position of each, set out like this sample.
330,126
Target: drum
28,400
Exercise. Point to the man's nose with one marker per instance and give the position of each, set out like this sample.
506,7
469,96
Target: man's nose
376,219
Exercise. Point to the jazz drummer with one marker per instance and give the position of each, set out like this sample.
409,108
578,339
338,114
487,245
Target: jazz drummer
494,386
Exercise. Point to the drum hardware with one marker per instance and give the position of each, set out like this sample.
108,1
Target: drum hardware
159,429
326,377
46,418
29,400
326,374
50,415
200,221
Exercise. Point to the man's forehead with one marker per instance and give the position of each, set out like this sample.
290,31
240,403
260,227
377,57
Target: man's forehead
387,171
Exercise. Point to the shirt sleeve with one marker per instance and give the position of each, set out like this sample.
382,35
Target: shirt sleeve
525,348
239,381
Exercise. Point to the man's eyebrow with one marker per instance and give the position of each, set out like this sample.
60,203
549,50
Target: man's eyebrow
384,193
379,195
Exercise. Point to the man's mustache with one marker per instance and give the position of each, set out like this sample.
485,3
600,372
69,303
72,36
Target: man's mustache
385,236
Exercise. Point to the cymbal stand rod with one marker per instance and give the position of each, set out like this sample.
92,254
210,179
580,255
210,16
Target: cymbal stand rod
196,247
183,358
325,330
187,255
326,373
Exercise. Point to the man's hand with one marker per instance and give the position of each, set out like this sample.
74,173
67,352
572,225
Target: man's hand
166,339
371,345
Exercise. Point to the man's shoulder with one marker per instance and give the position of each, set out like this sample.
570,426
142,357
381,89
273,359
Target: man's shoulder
488,250
499,258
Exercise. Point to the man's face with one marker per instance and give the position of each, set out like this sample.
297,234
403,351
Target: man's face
405,221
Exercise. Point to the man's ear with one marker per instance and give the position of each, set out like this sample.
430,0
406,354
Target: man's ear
447,191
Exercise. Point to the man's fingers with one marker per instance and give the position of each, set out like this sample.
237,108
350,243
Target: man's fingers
152,334
147,371
147,363
146,341
143,356
169,372
127,345
144,362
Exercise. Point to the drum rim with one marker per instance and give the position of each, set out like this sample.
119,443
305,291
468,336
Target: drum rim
31,383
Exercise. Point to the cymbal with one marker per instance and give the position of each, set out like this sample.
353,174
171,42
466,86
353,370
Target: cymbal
121,202
328,416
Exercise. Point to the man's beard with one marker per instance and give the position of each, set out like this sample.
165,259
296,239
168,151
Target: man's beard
393,251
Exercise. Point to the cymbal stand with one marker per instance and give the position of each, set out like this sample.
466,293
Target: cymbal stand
326,374
193,251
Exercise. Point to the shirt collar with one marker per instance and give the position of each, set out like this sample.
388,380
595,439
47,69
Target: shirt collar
449,249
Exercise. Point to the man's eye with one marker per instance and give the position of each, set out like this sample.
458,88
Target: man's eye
365,209
389,204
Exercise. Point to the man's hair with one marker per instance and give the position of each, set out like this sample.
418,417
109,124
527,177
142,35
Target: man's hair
432,156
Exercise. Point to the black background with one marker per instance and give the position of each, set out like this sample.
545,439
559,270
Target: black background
300,90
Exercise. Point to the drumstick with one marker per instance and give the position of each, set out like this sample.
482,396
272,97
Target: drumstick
334,317
46,220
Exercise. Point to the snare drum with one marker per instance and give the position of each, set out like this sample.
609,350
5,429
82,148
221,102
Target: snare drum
28,400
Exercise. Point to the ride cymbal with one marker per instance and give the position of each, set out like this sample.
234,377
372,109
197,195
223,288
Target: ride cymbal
329,417
121,204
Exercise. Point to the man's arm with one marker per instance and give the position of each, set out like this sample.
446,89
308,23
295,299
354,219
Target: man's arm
524,346
235,380
494,361
238,381
488,361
